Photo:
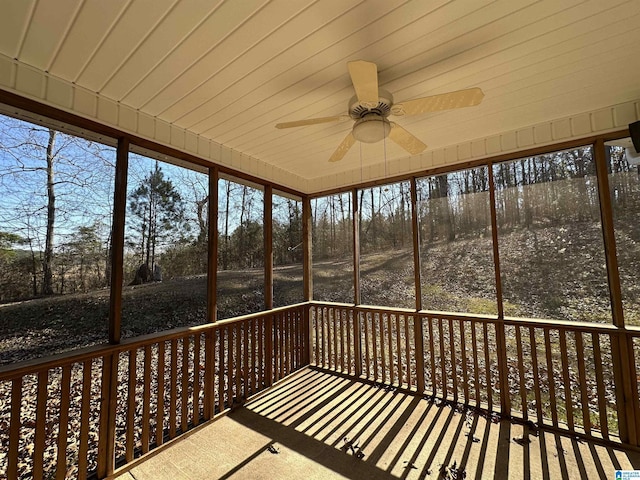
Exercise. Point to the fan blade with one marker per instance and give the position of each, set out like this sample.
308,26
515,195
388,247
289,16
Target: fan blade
312,121
435,103
343,148
364,76
406,140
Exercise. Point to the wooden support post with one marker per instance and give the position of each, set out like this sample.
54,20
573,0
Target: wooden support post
307,243
268,247
503,371
212,264
117,240
357,337
212,298
356,247
621,343
417,320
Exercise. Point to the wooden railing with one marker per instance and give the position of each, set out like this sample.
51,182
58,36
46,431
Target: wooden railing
566,376
91,411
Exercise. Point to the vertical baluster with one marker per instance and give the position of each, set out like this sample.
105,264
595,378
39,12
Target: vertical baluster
463,351
390,350
288,342
209,372
336,313
160,395
380,318
173,392
582,375
262,361
14,429
357,341
536,373
487,364
601,392
146,401
196,379
326,336
41,421
286,337
567,381
434,381
476,369
342,345
238,360
131,406
280,341
551,377
374,344
277,348
293,322
63,423
245,359
367,341
316,331
443,363
454,362
254,348
407,346
84,420
523,390
399,350
184,390
231,363
349,319
323,338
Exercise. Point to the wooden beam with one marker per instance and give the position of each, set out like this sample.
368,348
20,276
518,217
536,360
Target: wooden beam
503,370
307,273
356,246
117,241
212,295
621,344
417,275
212,253
494,235
357,336
268,247
608,233
307,249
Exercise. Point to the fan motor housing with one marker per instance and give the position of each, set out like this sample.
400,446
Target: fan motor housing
358,110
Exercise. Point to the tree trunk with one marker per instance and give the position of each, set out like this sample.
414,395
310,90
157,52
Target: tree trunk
47,280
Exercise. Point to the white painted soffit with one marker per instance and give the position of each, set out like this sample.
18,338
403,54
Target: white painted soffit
43,87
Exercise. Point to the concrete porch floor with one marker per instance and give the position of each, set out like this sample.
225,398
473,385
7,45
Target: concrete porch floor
297,430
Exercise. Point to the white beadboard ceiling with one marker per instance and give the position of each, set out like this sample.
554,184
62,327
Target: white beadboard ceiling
214,77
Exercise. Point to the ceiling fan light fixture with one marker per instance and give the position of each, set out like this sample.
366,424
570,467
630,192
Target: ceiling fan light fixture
371,129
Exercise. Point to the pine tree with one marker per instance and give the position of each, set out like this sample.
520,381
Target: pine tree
158,207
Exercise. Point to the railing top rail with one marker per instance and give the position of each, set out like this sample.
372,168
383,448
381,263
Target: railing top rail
515,321
15,370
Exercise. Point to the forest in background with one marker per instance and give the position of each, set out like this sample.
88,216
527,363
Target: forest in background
55,231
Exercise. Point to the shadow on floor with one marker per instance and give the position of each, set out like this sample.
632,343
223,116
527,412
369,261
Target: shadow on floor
316,425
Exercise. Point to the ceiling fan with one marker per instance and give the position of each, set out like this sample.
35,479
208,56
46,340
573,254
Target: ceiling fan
371,106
